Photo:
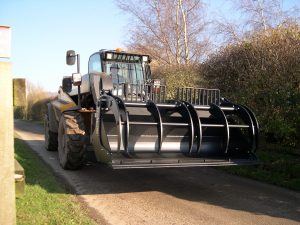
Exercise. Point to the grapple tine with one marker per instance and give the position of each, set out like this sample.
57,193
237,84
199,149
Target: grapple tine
248,117
197,125
217,112
124,124
153,109
185,113
256,127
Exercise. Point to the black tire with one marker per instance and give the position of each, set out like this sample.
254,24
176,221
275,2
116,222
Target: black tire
50,137
71,141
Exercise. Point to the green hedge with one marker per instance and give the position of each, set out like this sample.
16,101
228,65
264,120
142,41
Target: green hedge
179,76
263,72
35,106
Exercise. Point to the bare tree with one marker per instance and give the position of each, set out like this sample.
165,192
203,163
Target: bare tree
171,31
255,15
261,14
229,30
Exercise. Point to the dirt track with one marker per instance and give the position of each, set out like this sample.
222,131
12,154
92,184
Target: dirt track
170,196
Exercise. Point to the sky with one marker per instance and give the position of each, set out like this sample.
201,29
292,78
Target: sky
43,30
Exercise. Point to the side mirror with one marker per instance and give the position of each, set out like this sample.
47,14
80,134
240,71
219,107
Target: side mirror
67,84
76,79
71,57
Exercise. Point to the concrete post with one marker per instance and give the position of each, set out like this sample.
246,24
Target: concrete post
7,181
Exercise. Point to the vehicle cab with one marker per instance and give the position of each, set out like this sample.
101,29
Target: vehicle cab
126,70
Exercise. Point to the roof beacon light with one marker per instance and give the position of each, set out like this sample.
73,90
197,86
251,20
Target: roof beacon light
119,50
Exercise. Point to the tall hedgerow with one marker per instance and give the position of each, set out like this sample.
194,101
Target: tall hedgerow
177,76
37,99
263,72
35,106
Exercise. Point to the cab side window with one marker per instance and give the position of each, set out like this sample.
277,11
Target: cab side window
95,64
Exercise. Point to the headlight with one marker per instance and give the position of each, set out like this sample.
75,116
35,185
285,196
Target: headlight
108,56
145,58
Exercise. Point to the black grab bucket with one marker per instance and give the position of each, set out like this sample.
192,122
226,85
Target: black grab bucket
199,128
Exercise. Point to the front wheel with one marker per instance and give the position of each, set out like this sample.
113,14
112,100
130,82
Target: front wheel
71,140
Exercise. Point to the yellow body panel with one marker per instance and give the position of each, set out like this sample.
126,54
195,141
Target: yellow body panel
63,105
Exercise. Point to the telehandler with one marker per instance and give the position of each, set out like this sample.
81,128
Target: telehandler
119,115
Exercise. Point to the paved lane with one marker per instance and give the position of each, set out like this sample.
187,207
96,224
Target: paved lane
170,196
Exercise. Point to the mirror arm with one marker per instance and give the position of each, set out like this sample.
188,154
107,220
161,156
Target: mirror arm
78,63
78,87
78,71
79,102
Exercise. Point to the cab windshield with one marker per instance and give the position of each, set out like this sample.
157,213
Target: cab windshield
121,72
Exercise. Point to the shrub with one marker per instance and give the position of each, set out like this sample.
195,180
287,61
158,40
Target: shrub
264,73
35,108
20,112
179,76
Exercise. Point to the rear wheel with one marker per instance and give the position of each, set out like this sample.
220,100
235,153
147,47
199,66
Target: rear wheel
50,137
71,140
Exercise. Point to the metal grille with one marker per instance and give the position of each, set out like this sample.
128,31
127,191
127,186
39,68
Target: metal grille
199,96
140,92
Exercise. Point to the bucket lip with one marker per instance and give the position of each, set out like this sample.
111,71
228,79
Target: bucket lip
125,163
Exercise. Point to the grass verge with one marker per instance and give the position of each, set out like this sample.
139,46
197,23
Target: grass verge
45,200
278,165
